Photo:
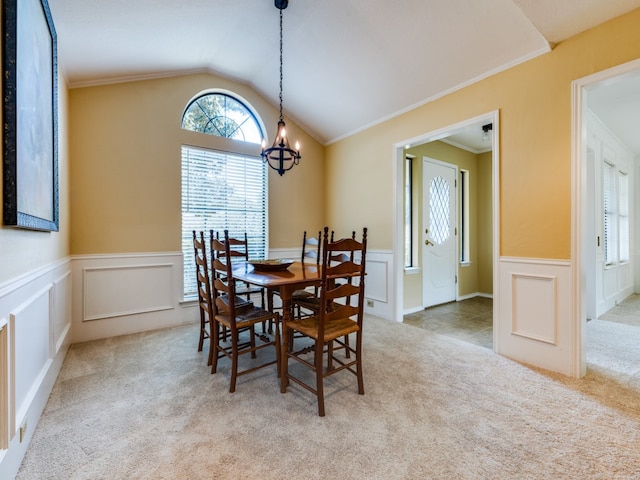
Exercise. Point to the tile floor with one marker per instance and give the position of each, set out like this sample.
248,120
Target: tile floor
470,320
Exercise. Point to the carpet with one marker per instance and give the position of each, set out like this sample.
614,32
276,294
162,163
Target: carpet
145,406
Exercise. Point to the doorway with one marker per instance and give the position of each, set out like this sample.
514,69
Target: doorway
408,284
606,145
439,221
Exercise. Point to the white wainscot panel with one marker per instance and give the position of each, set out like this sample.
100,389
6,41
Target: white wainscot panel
4,385
61,311
534,307
535,313
126,290
29,327
378,279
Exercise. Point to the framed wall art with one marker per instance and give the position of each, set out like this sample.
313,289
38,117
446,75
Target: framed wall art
30,92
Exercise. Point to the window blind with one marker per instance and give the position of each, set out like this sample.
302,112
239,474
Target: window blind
222,191
610,214
623,215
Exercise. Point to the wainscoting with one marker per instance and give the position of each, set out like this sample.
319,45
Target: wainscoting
35,333
122,294
536,313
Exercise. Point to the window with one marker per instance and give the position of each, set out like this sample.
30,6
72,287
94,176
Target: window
222,190
439,218
408,212
222,115
616,215
464,217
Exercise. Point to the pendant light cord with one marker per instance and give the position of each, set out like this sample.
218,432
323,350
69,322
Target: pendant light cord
281,117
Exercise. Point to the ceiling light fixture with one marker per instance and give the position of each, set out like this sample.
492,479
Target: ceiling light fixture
280,156
486,132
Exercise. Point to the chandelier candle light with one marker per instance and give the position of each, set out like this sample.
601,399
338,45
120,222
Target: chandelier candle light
281,157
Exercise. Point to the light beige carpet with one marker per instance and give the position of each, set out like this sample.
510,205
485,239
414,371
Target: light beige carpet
144,406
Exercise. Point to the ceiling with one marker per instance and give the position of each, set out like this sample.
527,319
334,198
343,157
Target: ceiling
348,64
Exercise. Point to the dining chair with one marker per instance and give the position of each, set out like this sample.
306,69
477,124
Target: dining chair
237,319
311,253
305,301
239,251
204,287
341,314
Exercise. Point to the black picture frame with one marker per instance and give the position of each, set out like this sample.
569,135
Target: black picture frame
30,115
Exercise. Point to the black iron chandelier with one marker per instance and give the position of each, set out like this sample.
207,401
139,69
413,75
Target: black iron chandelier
281,157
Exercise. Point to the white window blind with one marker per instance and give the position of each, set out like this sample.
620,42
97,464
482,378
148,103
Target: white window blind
616,215
222,191
610,214
623,215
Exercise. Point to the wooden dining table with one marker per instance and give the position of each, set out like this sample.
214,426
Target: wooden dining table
296,277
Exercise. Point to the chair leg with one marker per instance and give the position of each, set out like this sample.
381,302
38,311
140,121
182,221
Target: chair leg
319,379
202,325
278,351
330,356
234,361
359,363
214,343
252,337
284,359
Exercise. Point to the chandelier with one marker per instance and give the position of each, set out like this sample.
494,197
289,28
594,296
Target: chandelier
280,156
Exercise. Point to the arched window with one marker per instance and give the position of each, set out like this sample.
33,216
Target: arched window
222,115
221,189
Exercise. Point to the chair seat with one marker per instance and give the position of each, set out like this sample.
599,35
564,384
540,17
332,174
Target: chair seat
310,303
332,330
246,318
242,304
298,294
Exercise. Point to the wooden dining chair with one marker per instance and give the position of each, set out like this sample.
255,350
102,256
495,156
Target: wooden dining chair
311,253
239,251
237,319
205,295
341,314
307,302
204,287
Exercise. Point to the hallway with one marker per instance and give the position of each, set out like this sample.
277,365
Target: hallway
470,320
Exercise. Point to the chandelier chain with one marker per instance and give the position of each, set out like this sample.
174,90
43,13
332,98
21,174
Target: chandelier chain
281,117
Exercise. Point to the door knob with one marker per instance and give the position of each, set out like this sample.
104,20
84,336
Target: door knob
428,242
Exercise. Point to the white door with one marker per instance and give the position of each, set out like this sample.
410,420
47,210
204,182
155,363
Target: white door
439,240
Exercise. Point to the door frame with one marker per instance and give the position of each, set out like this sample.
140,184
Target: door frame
579,203
398,217
455,195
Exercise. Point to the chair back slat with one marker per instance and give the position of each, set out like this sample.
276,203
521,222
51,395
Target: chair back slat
311,248
344,290
342,311
339,261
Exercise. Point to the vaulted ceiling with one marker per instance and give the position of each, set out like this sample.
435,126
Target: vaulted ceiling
348,64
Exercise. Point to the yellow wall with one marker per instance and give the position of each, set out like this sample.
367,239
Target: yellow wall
125,166
534,100
22,251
